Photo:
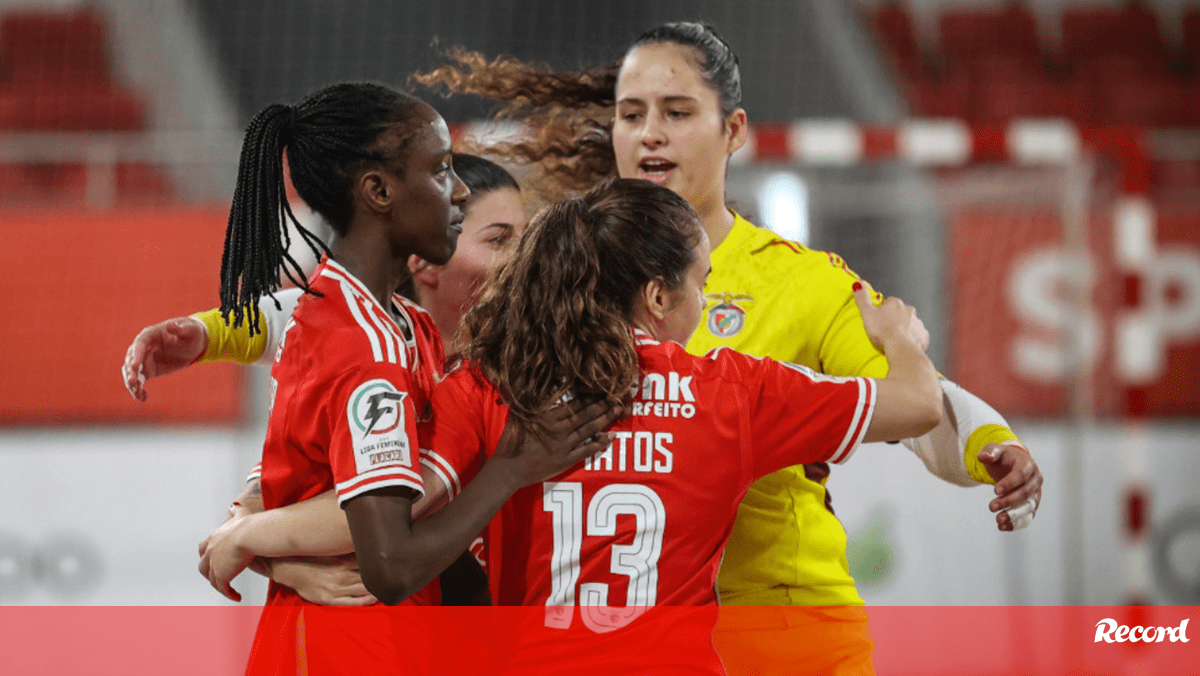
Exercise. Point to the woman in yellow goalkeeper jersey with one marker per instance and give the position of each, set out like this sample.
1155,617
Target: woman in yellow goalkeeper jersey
670,113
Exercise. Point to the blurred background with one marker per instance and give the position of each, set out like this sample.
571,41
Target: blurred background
1026,173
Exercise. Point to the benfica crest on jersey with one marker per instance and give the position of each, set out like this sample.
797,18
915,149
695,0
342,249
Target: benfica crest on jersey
727,319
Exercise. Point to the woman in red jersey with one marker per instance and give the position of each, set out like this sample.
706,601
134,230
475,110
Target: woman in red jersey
494,220
600,295
355,364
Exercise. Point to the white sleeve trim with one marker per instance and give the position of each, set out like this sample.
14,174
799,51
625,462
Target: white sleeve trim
393,475
438,465
864,412
376,485
275,320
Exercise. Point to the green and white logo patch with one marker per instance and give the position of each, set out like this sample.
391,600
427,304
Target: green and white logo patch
376,416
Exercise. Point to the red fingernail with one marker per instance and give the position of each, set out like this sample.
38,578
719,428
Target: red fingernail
857,286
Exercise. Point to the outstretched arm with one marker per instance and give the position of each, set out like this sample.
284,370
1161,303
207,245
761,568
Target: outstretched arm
974,445
175,344
971,445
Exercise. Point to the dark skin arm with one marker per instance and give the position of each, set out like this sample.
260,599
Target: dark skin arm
397,557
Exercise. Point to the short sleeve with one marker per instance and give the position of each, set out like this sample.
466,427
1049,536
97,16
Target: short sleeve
800,416
845,349
454,442
373,430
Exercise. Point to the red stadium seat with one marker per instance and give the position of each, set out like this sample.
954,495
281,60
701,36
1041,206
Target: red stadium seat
969,34
43,182
893,26
1155,102
1131,30
1140,91
1032,94
945,97
67,106
66,183
1109,67
58,77
62,46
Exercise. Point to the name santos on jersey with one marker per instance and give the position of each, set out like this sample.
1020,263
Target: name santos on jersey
656,395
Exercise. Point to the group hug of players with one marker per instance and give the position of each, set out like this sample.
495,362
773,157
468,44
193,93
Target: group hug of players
626,405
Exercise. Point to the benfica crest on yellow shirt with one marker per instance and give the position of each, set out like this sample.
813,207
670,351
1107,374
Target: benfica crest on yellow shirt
727,318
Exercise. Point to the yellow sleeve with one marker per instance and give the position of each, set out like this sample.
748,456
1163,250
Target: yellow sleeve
845,348
227,343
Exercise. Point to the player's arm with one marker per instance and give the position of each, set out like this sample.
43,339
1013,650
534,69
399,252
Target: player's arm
324,580
797,415
311,528
386,534
175,344
973,444
908,402
398,557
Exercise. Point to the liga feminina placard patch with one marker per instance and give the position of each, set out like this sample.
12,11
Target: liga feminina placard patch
376,416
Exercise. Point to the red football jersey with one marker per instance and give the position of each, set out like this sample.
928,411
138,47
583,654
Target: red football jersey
349,383
644,522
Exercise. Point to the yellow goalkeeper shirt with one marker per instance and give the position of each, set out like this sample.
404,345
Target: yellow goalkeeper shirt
770,297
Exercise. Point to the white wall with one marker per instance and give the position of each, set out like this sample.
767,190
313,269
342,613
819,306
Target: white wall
947,551
118,513
140,501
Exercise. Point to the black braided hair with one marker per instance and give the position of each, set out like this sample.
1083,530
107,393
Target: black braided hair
330,136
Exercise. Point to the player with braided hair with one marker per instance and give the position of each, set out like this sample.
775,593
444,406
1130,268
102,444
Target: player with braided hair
356,363
495,219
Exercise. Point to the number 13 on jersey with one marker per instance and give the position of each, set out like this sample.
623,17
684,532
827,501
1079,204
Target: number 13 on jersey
637,560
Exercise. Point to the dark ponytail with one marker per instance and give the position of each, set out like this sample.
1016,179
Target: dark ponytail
556,318
329,137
